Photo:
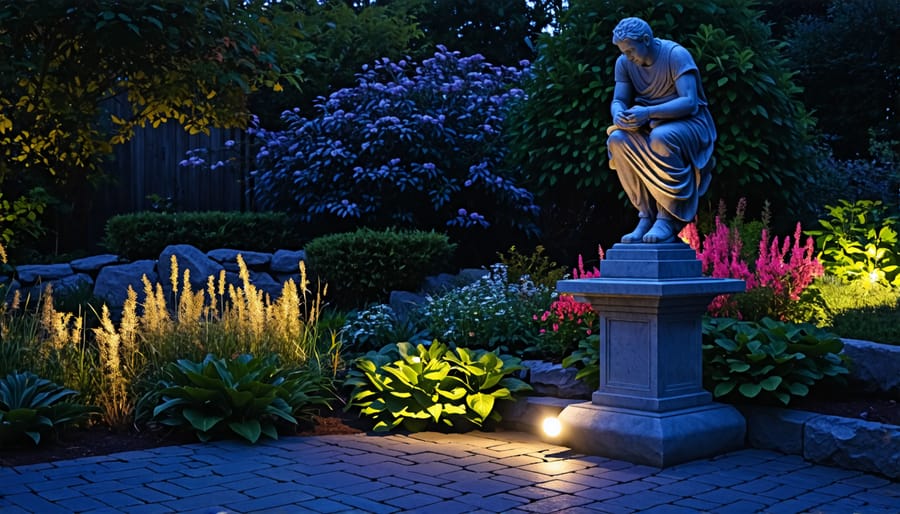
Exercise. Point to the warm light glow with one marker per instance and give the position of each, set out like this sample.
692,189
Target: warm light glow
551,427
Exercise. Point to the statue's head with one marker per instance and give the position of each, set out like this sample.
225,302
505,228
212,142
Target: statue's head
633,29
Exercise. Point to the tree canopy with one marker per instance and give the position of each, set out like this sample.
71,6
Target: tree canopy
65,62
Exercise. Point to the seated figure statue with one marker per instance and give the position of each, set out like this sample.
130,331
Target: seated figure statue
661,143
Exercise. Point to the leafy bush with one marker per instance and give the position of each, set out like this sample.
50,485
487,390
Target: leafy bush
558,133
413,145
31,406
767,360
145,235
536,266
244,396
364,266
415,387
860,241
492,313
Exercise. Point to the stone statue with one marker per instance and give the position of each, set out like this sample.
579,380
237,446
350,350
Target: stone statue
661,143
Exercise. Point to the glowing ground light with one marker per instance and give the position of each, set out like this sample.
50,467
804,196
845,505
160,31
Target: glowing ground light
551,427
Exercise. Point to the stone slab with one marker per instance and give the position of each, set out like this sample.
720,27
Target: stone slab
659,439
774,428
853,443
873,366
700,286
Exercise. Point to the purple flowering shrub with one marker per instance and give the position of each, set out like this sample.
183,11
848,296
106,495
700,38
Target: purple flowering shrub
412,145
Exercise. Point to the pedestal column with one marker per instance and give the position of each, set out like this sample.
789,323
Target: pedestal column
650,407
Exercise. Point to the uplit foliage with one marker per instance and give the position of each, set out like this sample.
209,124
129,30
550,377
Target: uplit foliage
64,63
412,145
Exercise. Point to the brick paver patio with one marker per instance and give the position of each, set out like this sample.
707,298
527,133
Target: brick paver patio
506,472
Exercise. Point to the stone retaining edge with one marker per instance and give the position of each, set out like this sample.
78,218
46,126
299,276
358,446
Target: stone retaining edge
822,439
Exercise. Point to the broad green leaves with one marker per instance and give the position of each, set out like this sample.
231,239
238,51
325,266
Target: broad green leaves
248,397
419,386
767,360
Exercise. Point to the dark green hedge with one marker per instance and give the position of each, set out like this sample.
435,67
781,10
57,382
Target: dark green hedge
364,266
144,235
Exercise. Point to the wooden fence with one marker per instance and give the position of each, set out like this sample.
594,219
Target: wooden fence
147,167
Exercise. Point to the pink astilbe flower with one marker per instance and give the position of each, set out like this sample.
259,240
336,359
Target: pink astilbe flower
786,275
579,272
721,254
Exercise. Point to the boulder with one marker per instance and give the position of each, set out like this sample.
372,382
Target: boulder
94,263
72,283
113,281
549,379
286,261
853,444
873,366
404,302
186,257
228,258
32,273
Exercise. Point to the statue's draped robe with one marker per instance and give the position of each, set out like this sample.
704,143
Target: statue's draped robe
674,172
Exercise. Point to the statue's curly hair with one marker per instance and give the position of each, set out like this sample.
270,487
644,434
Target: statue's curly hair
631,28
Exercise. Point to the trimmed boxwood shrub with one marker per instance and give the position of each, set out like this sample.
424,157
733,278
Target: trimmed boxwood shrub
143,235
364,266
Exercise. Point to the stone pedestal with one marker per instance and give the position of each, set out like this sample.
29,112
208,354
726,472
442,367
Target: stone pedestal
650,407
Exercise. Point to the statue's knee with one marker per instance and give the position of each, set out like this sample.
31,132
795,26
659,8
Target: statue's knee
660,145
616,141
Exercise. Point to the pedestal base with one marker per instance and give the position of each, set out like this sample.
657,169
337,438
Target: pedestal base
659,439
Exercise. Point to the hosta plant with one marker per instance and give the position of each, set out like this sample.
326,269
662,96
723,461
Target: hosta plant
245,396
31,406
768,360
417,387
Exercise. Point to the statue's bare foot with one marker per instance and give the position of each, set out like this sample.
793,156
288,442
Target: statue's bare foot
642,227
663,231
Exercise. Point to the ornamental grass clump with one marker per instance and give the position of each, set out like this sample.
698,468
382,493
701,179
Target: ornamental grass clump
422,386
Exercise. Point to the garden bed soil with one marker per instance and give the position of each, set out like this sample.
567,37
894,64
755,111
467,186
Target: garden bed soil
99,440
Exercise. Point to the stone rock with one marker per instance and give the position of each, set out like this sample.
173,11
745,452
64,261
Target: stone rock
468,275
228,258
404,302
94,262
853,444
874,366
438,284
187,257
113,281
265,283
286,261
72,283
549,379
31,273
775,428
